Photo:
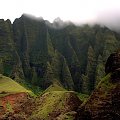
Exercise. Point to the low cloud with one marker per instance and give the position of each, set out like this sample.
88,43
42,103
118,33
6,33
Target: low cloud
110,19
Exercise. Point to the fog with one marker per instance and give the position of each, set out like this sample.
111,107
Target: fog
105,12
110,19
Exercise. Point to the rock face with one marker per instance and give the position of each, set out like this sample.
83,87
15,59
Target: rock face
16,106
113,63
37,52
53,105
104,101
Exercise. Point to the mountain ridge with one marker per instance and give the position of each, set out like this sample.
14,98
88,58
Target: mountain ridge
71,56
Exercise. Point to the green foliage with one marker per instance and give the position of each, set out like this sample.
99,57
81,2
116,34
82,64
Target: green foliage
8,85
83,97
66,78
9,107
100,70
34,78
105,84
1,66
41,55
53,102
7,70
8,55
48,105
54,87
35,89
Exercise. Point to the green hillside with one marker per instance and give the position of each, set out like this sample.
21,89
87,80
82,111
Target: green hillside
8,86
54,104
54,87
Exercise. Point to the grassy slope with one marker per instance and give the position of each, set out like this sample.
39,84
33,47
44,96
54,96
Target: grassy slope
54,87
82,97
102,91
49,104
53,100
7,85
106,84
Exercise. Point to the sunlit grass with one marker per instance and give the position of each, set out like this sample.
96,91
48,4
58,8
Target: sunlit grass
9,86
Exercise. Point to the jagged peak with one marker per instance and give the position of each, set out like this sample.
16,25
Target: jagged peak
31,17
113,62
58,19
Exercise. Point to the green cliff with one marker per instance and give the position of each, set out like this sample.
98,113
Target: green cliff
74,56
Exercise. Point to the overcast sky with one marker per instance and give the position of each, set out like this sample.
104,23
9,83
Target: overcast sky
79,11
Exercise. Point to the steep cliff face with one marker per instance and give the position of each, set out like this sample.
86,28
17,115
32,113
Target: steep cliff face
41,63
86,50
73,56
10,64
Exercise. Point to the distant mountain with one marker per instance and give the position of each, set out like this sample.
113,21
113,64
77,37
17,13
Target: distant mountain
71,56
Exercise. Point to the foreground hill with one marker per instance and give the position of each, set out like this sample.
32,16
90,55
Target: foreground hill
55,103
104,102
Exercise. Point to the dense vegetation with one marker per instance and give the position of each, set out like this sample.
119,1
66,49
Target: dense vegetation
56,103
71,56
